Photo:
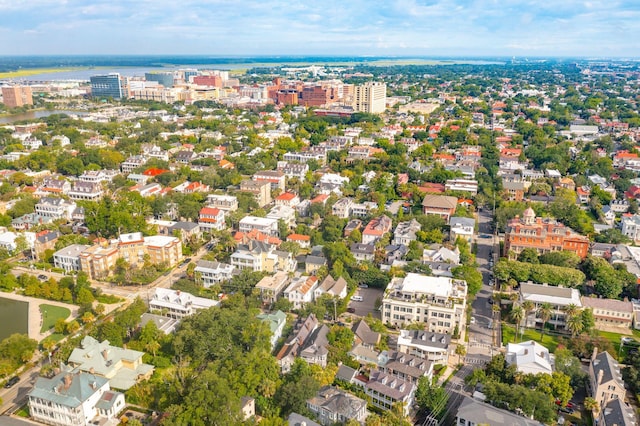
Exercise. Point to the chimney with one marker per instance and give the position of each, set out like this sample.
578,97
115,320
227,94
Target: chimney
600,376
593,355
105,354
68,378
92,371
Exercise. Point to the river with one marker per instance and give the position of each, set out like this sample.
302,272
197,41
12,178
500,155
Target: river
14,317
34,115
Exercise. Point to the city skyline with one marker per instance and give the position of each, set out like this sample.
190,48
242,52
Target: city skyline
400,28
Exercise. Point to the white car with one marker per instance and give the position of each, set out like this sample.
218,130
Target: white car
473,320
357,298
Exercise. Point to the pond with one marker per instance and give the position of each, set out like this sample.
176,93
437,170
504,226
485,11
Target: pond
14,317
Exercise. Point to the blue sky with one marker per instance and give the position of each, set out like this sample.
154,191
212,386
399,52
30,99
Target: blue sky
322,27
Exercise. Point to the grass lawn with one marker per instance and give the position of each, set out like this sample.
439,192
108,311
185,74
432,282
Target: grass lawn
509,336
23,411
51,314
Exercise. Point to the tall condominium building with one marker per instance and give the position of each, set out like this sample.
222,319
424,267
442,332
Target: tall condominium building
109,86
164,78
16,96
370,97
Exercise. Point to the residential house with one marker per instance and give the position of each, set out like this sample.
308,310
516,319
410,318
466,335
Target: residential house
178,304
376,229
301,291
45,240
74,399
132,163
184,157
472,412
363,209
184,230
363,252
90,191
365,345
427,345
462,227
304,241
617,413
258,256
387,391
210,273
55,185
272,286
605,380
584,194
313,262
334,288
275,178
211,219
529,357
342,208
332,405
405,366
352,225
514,190
294,170
610,314
394,253
558,297
288,199
265,225
439,253
619,206
222,202
307,333
68,258
440,205
283,213
544,235
276,321
438,302
261,189
462,185
54,208
122,367
405,232
296,419
631,227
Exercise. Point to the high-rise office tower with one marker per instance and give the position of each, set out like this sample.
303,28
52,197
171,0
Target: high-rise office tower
370,97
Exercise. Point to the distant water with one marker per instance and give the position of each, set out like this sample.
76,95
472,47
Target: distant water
14,317
34,115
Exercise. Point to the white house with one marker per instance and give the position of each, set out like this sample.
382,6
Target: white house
301,291
74,399
529,357
265,225
68,258
178,304
211,273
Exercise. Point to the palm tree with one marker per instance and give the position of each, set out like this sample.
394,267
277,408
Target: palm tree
592,405
571,310
575,324
528,307
544,312
460,351
517,314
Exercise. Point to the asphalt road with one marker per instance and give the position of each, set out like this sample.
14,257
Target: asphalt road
483,340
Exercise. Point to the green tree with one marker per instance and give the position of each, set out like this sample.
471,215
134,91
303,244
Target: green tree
517,314
528,255
430,397
544,313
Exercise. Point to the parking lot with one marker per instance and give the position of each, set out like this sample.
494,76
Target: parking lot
369,297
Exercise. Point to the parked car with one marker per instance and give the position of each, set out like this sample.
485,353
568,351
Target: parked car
363,286
351,310
12,381
43,277
357,298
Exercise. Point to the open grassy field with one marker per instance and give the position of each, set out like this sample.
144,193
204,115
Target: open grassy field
51,314
509,336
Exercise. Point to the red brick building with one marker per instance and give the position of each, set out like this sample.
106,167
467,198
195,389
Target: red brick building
543,235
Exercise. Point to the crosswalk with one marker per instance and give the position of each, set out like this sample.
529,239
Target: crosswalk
468,360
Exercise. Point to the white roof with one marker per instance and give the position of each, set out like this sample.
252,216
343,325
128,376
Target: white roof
159,240
416,283
529,357
258,221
